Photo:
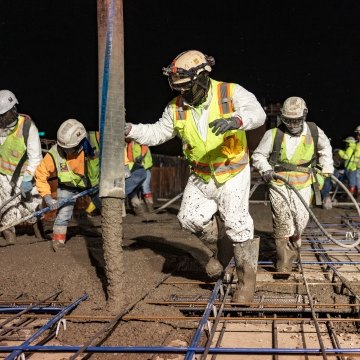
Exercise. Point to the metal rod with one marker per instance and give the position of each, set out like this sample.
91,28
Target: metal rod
311,303
180,350
104,331
50,323
28,309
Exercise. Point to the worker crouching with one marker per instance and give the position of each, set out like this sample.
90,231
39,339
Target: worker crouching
71,161
292,151
20,154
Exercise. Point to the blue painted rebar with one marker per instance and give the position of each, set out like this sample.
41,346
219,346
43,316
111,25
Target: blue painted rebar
37,309
317,263
179,350
51,322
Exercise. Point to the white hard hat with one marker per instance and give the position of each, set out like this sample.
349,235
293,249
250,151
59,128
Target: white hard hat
294,107
350,139
357,129
187,65
7,101
70,133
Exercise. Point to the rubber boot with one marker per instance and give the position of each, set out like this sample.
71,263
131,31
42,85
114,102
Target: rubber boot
58,238
246,256
210,236
138,206
327,204
352,189
149,202
286,253
206,258
9,236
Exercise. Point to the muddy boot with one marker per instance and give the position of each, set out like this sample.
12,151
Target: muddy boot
286,253
246,259
9,236
138,206
58,238
327,204
149,202
210,236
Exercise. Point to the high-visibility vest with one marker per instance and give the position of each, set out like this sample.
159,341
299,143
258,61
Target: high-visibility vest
351,156
220,156
65,174
135,150
13,148
301,160
93,163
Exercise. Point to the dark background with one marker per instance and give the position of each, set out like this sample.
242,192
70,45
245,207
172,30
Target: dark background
275,49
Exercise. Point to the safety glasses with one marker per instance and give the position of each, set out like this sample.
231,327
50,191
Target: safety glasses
293,123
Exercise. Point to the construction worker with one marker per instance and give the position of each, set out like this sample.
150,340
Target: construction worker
351,154
292,150
328,184
141,155
71,160
134,175
211,118
20,154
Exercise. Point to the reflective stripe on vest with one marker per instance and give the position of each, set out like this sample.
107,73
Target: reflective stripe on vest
13,149
64,173
301,157
220,156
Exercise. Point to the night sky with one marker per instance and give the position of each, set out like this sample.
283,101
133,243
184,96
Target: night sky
275,49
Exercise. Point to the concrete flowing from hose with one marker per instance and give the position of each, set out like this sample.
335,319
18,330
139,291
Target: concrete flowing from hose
351,246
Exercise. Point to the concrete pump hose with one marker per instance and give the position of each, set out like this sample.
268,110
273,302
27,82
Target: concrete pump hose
351,246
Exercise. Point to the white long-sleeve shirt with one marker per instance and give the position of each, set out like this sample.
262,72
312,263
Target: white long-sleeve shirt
262,153
33,147
245,105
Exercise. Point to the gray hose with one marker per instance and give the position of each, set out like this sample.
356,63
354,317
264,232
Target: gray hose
356,243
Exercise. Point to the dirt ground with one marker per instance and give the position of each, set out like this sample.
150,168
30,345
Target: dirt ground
31,270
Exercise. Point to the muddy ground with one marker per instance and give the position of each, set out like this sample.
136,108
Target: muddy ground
31,270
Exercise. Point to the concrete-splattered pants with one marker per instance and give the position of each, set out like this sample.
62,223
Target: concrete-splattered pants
290,216
16,209
201,201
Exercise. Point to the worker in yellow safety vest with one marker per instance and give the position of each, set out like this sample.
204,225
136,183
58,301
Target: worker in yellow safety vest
292,151
20,154
70,160
211,118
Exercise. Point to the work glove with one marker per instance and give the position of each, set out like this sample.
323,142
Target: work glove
221,126
268,175
127,129
139,159
50,202
26,187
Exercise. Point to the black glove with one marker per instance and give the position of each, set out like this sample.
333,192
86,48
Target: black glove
139,159
268,175
221,126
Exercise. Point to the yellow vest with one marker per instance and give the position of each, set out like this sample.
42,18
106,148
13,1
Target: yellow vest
93,164
13,149
302,158
220,156
64,173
